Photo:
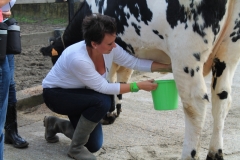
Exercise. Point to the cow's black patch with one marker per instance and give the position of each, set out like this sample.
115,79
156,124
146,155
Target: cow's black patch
206,97
124,45
72,33
186,69
223,95
193,153
206,41
137,28
196,27
236,34
157,33
139,9
119,96
191,4
208,158
100,4
233,34
212,12
217,70
197,56
175,13
192,72
197,69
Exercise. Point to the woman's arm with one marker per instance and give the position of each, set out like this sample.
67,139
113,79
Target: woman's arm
3,2
87,74
122,58
6,14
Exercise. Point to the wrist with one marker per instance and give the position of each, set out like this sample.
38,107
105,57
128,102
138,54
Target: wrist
134,87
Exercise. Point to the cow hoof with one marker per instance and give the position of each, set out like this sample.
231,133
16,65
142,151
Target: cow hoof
108,119
118,112
217,156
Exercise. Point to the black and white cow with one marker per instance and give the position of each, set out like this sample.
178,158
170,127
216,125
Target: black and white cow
196,36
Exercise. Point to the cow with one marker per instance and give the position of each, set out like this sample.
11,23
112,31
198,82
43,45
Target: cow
197,37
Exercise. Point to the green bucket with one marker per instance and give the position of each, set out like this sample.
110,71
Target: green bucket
165,97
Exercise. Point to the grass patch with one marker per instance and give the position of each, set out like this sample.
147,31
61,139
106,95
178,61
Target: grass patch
55,21
25,19
47,21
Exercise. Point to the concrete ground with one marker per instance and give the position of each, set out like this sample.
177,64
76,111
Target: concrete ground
140,133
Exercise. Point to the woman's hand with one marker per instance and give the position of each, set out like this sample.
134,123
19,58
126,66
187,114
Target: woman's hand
148,85
6,14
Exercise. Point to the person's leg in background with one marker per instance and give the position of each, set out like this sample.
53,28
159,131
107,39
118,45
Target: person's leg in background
11,131
4,88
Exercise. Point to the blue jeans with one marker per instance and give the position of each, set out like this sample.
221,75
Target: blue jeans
12,91
4,89
76,102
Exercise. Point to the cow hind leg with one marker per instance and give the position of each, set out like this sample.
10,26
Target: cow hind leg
193,92
223,71
118,104
123,76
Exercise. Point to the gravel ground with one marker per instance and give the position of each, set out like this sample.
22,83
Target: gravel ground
31,66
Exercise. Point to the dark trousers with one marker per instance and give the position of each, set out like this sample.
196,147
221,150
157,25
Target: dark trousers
76,102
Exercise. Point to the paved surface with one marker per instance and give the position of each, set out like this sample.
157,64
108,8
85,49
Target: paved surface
140,133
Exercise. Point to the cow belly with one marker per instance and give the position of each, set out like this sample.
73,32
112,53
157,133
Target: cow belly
153,54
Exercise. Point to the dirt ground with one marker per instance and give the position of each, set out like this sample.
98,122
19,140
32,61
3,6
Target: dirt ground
31,66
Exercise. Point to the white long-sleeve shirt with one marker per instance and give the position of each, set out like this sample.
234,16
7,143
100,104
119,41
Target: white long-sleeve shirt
75,69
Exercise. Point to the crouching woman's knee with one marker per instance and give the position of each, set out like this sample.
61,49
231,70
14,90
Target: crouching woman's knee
100,106
104,104
95,148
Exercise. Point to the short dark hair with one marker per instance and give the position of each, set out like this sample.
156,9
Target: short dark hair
95,26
